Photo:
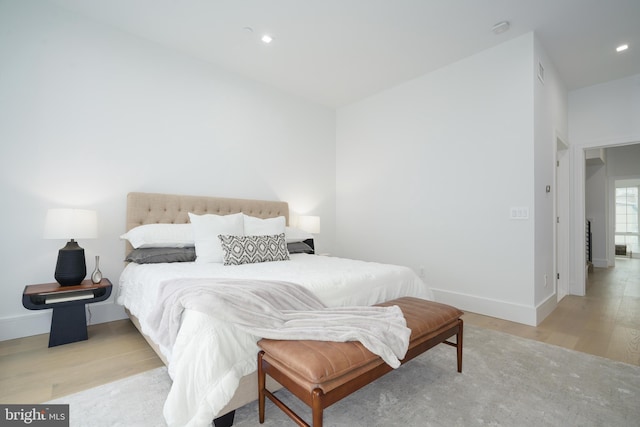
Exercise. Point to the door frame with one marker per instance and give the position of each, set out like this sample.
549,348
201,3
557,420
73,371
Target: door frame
578,282
562,220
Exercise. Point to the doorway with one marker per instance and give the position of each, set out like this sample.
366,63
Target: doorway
623,163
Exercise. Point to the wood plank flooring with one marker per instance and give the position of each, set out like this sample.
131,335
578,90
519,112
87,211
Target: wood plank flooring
30,372
606,322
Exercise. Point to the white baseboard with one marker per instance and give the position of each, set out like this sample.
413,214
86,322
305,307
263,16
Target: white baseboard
546,307
39,321
600,263
489,307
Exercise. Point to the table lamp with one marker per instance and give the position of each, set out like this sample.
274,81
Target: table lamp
309,223
72,224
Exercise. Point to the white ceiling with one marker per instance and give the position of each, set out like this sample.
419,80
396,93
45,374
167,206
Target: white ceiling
335,52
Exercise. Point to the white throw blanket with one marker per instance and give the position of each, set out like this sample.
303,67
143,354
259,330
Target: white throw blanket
280,310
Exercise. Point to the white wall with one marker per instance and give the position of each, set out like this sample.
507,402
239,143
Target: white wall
427,172
88,114
596,211
624,162
605,114
602,115
550,123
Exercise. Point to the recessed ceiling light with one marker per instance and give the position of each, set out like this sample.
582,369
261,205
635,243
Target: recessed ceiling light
622,48
267,38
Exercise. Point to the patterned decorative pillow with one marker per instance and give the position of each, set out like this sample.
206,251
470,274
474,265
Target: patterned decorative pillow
252,249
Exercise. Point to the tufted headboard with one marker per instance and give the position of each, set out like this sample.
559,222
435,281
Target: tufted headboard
157,208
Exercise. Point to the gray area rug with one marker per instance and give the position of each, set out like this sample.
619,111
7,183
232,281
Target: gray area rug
506,381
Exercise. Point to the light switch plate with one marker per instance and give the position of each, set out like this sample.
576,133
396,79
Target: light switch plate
519,213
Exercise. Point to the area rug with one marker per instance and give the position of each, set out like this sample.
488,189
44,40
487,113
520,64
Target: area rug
506,381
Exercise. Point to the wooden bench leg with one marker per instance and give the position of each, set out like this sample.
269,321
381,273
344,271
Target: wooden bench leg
459,344
459,329
317,407
263,393
261,388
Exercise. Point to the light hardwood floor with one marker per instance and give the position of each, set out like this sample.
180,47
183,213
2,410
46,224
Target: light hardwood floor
30,372
606,322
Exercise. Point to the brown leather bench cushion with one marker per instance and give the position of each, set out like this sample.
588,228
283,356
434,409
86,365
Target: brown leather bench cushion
325,364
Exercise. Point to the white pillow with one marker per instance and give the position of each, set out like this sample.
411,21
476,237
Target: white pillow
263,227
160,236
207,228
293,235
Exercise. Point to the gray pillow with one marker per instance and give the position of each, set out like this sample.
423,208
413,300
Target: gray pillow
299,248
252,249
158,255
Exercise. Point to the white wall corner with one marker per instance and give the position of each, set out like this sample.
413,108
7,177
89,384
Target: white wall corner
489,307
546,307
38,322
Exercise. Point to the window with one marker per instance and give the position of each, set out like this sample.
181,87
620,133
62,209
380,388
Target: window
627,218
627,210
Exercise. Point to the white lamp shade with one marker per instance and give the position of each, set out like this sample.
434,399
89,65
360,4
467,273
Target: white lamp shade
309,223
71,224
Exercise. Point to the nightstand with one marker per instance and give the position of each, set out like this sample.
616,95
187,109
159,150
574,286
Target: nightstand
69,321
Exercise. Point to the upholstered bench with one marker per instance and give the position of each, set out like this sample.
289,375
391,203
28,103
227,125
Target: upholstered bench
320,373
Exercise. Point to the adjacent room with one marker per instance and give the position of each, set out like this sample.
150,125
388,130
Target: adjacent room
483,155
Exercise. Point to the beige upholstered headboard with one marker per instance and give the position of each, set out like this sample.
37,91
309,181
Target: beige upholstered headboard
157,208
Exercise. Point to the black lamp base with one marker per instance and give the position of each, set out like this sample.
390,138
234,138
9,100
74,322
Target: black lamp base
71,268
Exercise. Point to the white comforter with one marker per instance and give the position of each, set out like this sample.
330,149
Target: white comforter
210,356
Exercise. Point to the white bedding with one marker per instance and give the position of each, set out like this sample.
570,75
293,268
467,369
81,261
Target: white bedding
209,356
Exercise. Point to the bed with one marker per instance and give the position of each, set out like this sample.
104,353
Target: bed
202,342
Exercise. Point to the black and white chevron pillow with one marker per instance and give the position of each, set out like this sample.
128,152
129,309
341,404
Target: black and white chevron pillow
252,249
